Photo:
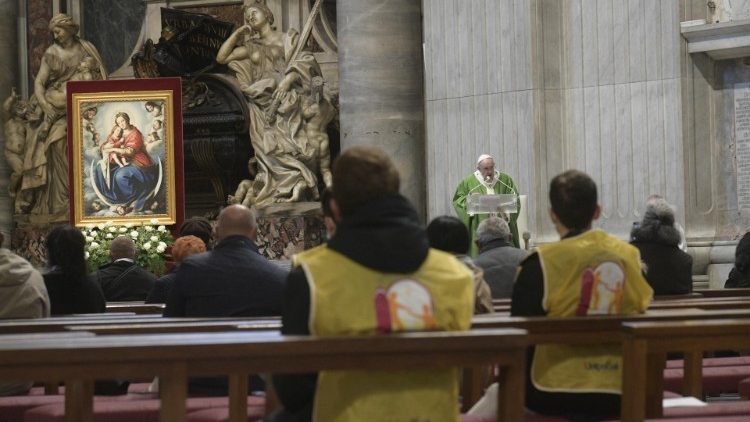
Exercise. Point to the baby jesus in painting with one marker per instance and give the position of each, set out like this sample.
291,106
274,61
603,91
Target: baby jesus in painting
114,141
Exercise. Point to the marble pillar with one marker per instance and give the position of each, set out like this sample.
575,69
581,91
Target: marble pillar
381,84
8,73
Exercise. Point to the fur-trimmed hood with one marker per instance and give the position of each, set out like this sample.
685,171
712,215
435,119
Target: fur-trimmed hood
653,230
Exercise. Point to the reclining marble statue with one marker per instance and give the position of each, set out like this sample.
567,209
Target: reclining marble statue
38,128
288,106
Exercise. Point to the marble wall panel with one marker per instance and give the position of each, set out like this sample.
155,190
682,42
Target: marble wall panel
597,89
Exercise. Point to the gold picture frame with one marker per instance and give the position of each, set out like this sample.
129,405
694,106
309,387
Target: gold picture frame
125,152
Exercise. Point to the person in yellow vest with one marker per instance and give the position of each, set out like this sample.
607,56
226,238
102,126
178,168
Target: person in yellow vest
588,272
376,275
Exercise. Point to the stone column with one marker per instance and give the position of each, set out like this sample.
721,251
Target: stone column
381,88
8,74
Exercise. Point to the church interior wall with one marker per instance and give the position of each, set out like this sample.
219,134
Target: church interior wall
543,85
549,85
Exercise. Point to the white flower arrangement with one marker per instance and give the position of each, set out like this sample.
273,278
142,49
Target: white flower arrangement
151,244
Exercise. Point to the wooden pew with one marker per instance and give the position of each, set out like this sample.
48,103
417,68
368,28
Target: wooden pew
723,292
677,302
174,357
62,324
588,330
645,346
136,307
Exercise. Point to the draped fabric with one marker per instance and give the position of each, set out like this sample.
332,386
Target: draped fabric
286,159
131,184
45,168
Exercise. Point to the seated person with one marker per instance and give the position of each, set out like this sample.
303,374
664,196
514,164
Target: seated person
183,247
378,259
497,256
199,227
449,234
588,272
740,274
22,295
123,280
70,290
232,280
668,269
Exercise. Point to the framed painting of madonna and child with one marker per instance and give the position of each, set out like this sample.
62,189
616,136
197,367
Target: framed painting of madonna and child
125,151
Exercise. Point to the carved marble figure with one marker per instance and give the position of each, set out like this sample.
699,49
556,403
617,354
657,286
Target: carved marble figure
15,145
45,165
289,110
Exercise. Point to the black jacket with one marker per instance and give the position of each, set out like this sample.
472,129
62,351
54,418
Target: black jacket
231,280
124,281
384,235
668,270
68,296
162,286
736,279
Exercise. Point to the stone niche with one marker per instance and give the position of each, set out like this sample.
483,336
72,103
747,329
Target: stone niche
717,134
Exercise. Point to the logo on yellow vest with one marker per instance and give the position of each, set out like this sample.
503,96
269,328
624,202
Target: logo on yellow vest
405,306
601,289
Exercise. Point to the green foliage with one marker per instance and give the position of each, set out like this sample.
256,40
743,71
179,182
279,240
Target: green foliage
151,243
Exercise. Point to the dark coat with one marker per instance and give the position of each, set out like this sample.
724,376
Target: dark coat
500,260
668,270
163,285
231,280
73,296
124,281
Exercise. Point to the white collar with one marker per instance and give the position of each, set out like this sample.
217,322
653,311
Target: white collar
478,175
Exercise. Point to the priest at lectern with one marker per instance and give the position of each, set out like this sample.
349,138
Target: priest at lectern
486,181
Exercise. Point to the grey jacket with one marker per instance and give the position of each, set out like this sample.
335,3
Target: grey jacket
499,260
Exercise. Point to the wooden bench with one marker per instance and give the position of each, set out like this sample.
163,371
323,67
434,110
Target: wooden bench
723,292
173,357
64,323
136,307
645,345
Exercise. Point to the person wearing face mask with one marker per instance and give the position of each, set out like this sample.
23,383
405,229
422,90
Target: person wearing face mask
484,181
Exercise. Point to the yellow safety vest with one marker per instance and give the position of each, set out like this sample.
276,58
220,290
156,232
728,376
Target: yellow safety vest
593,273
350,299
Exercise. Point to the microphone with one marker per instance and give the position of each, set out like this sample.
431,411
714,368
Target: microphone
526,238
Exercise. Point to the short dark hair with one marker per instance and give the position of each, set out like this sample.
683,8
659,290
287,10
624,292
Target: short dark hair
199,227
122,247
362,174
449,234
65,249
573,198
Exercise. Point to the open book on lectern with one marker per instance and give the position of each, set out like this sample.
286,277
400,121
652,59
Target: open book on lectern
492,204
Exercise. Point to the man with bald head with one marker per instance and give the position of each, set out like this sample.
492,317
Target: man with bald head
123,280
231,280
484,181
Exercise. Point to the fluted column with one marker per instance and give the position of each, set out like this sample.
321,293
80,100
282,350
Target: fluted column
381,84
8,74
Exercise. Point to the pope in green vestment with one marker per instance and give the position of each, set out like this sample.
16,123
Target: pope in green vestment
486,180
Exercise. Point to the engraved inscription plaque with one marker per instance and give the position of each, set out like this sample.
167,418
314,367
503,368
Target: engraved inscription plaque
742,143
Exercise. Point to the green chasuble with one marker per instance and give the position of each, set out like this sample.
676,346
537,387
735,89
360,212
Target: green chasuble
471,184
